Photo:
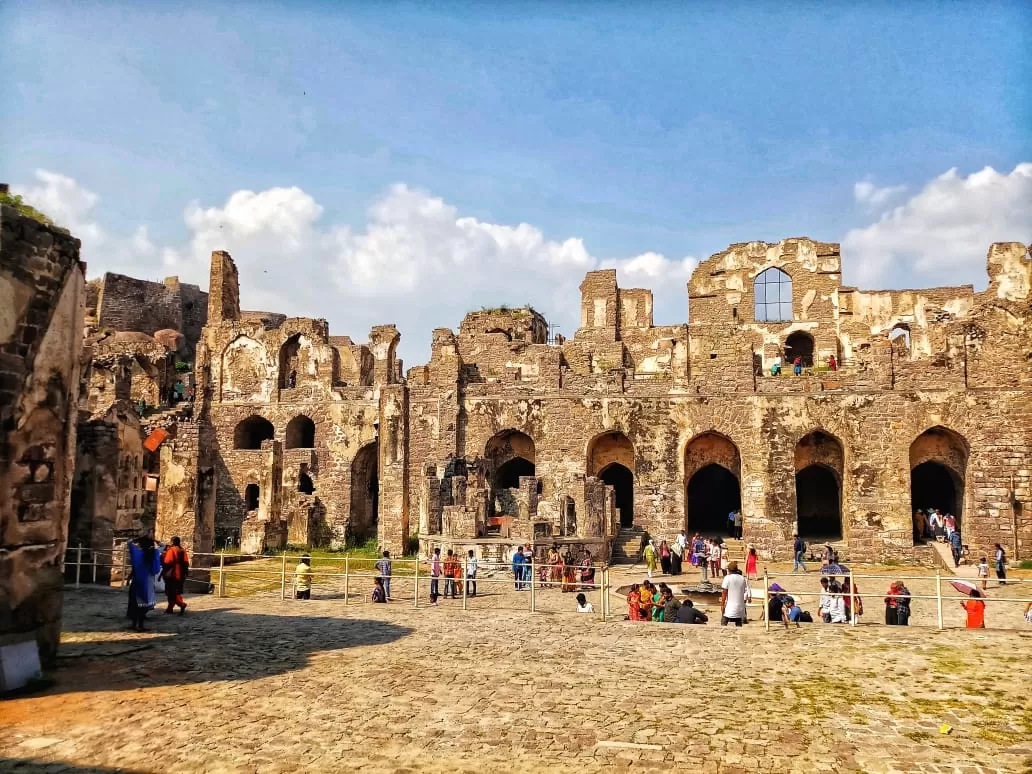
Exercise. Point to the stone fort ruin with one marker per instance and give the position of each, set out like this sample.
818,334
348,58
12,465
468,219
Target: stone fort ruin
624,430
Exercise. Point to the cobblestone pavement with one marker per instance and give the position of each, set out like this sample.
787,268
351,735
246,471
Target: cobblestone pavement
255,684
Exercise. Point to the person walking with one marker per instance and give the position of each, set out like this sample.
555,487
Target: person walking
435,576
664,557
303,578
650,557
738,524
384,568
1000,560
751,560
145,565
975,609
956,546
799,552
471,574
175,564
676,556
983,572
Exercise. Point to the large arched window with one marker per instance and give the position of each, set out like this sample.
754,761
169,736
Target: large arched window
250,433
773,296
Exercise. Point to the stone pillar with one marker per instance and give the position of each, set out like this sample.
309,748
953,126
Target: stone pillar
224,291
186,492
42,291
393,525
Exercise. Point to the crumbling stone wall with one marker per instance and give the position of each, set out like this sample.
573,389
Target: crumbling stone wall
128,304
42,287
663,402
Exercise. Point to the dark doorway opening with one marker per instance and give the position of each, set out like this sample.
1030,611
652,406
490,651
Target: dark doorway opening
305,485
250,433
300,433
251,497
818,504
713,492
799,344
509,474
365,494
622,481
933,485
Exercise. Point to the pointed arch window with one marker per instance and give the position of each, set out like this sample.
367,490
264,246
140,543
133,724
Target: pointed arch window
773,293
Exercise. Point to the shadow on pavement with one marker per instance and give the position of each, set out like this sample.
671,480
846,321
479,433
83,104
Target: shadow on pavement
204,645
29,766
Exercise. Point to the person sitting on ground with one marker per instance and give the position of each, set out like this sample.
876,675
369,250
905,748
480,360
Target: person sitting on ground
670,608
634,603
792,613
303,578
687,613
659,601
379,593
645,595
832,605
583,606
776,603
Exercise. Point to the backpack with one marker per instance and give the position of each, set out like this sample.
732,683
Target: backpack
803,546
805,617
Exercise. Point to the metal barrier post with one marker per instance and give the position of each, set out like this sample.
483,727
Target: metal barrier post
125,564
604,578
852,601
533,583
283,578
415,588
347,580
465,581
938,596
94,567
78,564
222,574
766,594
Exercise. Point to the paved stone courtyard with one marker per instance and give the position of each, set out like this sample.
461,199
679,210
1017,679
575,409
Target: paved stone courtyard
253,684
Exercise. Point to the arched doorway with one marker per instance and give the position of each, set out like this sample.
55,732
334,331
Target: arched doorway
290,361
300,433
611,460
938,464
305,484
510,455
365,494
250,433
622,480
799,344
712,467
819,462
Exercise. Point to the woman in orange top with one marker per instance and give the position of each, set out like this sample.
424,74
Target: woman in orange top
175,565
634,603
975,609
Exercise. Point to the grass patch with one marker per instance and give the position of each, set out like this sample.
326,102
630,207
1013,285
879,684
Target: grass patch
918,736
27,210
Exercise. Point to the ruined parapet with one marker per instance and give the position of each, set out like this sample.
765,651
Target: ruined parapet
600,307
224,290
42,287
1009,265
186,495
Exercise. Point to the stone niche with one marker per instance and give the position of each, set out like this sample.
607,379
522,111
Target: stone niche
42,291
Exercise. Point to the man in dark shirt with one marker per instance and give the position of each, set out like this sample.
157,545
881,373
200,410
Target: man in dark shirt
687,614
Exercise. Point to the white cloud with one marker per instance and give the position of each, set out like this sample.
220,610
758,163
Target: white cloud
867,193
942,233
70,205
416,262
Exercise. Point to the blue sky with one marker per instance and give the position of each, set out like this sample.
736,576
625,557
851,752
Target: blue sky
645,128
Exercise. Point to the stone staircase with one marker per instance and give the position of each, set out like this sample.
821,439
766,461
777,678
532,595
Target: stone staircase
166,417
627,545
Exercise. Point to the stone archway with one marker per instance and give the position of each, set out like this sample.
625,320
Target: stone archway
938,467
300,433
799,344
819,464
509,455
249,433
611,459
712,472
365,494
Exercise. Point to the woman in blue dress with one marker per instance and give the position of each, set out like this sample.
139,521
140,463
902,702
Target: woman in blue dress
145,564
